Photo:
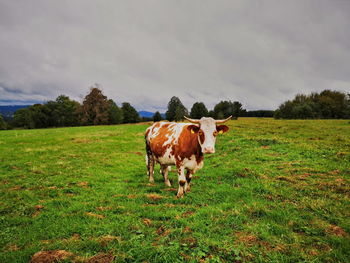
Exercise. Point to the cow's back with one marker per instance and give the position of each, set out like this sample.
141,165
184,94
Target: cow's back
162,137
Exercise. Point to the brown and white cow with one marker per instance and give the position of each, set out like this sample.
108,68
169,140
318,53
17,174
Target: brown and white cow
183,145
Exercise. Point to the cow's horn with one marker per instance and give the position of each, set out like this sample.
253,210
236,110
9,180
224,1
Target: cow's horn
222,121
191,120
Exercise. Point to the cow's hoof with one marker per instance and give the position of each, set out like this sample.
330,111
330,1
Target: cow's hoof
180,194
167,183
151,180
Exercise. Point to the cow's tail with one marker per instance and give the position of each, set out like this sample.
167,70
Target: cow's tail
149,160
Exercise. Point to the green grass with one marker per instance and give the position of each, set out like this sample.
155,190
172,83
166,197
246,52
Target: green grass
274,191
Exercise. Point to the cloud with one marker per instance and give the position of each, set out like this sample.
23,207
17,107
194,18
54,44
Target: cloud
260,53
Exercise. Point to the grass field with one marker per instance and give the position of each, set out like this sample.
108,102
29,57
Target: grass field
274,191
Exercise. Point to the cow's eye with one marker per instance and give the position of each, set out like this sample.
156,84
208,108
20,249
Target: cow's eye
215,133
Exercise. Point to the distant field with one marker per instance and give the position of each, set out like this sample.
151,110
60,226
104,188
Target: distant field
274,191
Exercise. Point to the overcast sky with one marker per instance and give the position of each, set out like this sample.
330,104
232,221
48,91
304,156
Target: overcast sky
260,53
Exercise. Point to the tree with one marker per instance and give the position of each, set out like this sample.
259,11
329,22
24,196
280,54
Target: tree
223,109
211,113
176,110
94,110
129,113
35,116
226,108
3,125
63,112
237,109
115,114
198,110
157,116
326,105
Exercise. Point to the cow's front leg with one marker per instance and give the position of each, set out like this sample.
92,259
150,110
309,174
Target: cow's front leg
164,169
188,181
182,181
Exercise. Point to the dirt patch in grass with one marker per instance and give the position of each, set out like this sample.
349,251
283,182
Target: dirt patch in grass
50,256
95,215
104,240
101,258
285,178
337,186
265,147
104,208
170,205
84,140
191,242
162,231
83,184
170,189
334,172
11,247
154,197
187,213
147,222
187,230
16,188
336,230
73,238
247,239
38,209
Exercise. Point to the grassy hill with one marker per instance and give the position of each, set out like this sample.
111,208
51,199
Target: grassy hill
274,191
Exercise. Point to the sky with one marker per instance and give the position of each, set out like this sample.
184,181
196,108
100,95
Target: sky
260,53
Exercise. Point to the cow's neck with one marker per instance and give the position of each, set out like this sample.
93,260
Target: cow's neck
198,153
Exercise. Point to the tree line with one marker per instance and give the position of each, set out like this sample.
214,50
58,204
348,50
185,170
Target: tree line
97,109
327,104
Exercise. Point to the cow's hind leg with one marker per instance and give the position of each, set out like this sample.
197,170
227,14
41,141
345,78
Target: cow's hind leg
182,182
188,181
164,169
149,163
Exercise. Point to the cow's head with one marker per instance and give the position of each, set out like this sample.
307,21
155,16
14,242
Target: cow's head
207,130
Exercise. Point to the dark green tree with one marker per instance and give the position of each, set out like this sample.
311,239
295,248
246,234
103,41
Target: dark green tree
3,124
157,116
211,113
95,107
198,110
226,108
115,114
129,113
326,105
63,112
237,109
35,116
176,110
223,109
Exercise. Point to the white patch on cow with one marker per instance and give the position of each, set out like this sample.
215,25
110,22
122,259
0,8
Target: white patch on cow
176,129
167,158
191,163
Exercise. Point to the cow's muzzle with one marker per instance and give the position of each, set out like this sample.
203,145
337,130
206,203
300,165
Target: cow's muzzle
208,150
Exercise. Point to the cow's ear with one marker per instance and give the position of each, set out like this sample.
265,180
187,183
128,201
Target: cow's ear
193,128
222,128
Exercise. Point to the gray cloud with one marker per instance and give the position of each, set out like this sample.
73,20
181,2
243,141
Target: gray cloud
258,52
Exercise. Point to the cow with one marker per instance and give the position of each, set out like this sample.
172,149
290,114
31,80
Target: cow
182,145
